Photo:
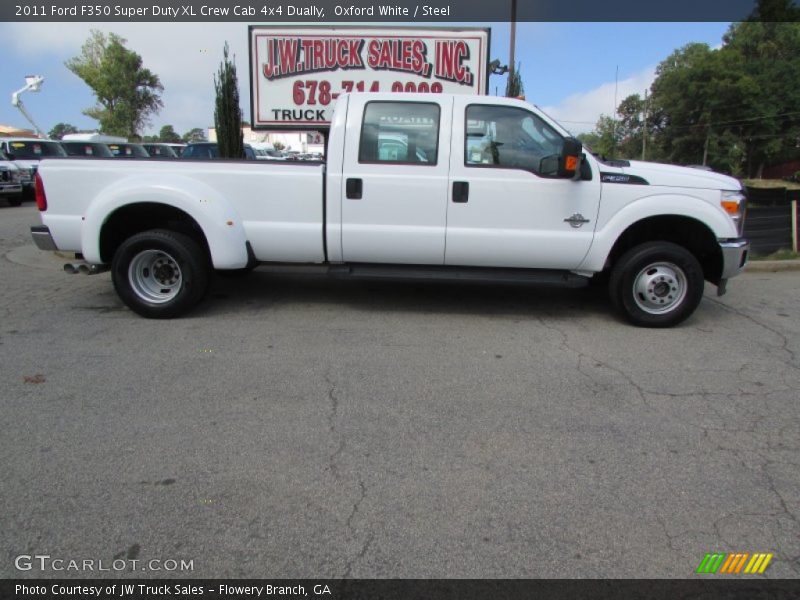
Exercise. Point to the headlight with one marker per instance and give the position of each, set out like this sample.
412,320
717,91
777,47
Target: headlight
734,203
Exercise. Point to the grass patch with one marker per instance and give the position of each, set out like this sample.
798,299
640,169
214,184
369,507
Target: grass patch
767,184
779,255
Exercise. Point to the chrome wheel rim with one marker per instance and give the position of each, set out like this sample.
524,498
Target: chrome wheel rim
155,276
659,288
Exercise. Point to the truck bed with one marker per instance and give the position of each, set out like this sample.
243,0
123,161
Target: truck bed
278,204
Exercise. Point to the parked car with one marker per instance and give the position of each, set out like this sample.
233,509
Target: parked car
10,181
158,150
267,154
128,150
87,149
210,151
485,189
26,154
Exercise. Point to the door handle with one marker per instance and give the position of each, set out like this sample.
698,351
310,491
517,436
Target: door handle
354,189
460,191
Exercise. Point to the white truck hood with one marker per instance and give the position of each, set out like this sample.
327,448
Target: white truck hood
672,176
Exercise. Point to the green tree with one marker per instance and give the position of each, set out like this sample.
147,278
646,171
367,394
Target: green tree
772,11
601,140
60,130
168,135
514,87
227,112
127,93
734,108
195,135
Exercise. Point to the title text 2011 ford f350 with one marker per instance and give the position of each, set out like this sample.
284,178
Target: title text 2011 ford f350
420,186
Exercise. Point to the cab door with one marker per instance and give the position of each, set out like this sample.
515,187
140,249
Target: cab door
505,208
395,180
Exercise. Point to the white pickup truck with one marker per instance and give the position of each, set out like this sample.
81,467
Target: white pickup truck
416,186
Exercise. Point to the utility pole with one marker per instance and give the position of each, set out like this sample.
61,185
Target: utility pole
644,127
614,117
513,43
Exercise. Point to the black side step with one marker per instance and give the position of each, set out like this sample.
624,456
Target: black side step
539,277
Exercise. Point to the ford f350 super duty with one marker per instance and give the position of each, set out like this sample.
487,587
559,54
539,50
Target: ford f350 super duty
416,186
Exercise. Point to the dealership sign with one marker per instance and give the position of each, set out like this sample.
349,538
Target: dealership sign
296,75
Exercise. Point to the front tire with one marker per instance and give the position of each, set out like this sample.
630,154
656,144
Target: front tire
656,284
160,274
15,200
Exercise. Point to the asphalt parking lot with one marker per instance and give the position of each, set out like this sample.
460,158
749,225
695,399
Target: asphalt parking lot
297,426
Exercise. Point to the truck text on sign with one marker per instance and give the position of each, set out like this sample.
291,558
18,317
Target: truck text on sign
296,75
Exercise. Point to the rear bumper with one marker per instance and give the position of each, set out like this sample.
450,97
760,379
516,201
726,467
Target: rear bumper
42,238
735,254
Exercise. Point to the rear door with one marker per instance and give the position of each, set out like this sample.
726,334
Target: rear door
395,180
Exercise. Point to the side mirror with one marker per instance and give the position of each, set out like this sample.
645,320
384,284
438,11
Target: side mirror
569,166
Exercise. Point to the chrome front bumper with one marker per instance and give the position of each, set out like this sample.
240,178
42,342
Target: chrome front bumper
735,254
42,238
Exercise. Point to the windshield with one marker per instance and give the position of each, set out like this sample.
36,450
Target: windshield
200,151
160,151
128,151
87,149
35,149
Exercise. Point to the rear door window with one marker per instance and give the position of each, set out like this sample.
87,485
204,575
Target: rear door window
400,133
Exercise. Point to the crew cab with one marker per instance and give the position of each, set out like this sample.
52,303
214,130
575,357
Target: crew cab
416,186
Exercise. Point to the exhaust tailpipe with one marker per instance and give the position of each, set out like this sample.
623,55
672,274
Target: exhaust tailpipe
85,268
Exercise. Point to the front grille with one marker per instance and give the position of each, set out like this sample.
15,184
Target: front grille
5,175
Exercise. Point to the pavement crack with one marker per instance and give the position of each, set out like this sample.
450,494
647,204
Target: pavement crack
356,505
784,339
361,554
349,524
640,391
781,500
333,414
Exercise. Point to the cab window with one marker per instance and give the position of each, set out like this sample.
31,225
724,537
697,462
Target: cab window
508,137
400,133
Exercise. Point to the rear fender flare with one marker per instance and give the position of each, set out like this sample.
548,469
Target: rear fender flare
219,221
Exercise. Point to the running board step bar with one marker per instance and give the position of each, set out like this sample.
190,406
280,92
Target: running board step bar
539,277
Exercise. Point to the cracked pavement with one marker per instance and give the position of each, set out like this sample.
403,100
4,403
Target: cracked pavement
296,426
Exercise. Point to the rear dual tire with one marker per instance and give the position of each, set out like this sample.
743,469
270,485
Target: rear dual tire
656,284
160,274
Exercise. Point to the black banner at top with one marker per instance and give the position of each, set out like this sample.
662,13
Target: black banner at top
321,12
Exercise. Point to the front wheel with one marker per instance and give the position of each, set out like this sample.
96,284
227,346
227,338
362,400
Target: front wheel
656,284
160,274
15,200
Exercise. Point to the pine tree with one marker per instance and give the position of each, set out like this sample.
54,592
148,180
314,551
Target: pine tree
227,112
514,87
